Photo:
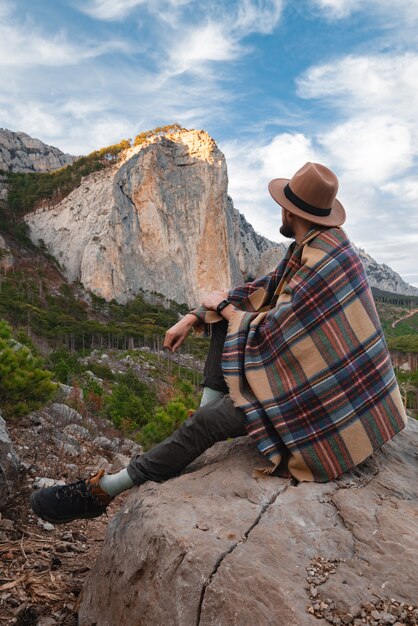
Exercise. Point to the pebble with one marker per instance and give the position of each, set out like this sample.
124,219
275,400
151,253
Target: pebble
45,525
41,481
387,618
314,591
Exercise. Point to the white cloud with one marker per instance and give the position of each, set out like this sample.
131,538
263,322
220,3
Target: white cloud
202,44
214,40
378,97
252,165
23,45
110,10
371,149
337,9
403,10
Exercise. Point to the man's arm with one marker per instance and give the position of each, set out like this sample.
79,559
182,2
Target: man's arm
178,333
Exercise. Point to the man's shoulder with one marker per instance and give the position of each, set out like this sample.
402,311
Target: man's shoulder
332,241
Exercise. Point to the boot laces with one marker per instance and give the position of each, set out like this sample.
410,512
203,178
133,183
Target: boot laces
80,489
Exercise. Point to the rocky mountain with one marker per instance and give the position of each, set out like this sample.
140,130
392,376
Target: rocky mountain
159,220
21,153
385,278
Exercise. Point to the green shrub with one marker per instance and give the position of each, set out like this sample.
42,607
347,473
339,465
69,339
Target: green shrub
162,424
24,384
64,365
131,403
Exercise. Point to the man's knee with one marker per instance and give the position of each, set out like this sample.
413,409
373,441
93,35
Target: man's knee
218,420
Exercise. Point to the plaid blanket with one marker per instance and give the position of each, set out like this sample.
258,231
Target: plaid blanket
306,360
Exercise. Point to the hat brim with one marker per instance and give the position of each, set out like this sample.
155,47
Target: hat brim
335,218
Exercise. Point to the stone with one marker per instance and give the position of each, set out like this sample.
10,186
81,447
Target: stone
66,392
45,525
261,537
104,443
77,431
62,415
42,481
9,466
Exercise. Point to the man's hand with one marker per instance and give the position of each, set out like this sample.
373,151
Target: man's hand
212,299
175,335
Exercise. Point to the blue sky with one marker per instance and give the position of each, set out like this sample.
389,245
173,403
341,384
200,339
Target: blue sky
275,82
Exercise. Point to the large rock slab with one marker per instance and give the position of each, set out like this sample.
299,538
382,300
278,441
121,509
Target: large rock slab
218,547
160,220
9,466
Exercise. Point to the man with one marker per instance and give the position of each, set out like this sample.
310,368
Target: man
297,360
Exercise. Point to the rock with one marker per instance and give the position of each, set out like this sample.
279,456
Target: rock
9,466
160,220
77,431
65,392
62,415
262,539
42,481
45,525
105,443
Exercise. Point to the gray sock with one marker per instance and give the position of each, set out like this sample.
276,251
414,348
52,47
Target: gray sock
209,395
114,484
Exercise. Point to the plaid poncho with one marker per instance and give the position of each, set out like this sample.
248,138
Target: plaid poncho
306,360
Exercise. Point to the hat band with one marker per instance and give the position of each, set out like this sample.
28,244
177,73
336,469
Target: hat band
305,206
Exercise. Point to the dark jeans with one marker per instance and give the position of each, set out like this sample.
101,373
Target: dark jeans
216,421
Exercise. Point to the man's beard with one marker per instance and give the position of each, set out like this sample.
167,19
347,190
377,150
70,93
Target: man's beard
286,230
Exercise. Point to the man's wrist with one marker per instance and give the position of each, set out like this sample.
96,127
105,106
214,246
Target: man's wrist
191,319
222,305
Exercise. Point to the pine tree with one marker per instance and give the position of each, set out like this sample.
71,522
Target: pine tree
24,384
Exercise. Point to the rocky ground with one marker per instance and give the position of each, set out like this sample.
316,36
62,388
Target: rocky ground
43,567
349,546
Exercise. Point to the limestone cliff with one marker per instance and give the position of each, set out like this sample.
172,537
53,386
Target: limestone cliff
21,153
159,221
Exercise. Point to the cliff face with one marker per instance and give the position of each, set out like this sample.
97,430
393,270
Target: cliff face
160,221
21,153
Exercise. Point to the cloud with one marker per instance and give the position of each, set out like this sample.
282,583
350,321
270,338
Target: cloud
372,144
111,10
251,165
202,44
217,35
377,96
23,44
406,10
372,150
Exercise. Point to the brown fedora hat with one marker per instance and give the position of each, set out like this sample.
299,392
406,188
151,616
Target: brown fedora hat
311,194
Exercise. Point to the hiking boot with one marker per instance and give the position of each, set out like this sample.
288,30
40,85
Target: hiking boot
65,503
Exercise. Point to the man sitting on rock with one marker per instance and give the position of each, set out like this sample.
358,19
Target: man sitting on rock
297,360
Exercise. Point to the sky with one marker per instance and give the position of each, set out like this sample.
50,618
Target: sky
276,83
